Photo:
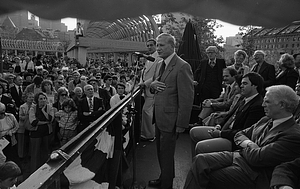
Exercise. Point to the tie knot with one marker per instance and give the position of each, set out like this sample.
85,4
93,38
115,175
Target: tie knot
270,124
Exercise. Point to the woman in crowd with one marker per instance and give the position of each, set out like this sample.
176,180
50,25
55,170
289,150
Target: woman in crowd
240,57
287,75
24,126
47,87
62,95
8,128
41,116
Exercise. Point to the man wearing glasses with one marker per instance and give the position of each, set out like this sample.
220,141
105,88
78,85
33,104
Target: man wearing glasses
267,71
208,77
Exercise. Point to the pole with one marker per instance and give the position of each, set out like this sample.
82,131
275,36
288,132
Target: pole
1,62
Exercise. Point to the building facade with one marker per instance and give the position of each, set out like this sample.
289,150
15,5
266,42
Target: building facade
276,41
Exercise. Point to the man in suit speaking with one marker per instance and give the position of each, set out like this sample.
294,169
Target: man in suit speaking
271,141
173,100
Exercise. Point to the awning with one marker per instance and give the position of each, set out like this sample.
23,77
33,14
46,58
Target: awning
267,13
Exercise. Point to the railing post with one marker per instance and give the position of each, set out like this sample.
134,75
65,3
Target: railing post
137,123
115,164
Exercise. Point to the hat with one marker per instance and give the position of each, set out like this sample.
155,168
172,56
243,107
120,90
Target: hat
92,79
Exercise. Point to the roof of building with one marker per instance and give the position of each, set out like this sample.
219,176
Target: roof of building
7,22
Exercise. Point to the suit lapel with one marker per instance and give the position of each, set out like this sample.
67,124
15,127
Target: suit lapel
263,67
169,68
247,105
254,68
274,132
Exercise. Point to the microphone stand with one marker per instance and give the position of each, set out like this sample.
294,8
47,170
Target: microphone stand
131,111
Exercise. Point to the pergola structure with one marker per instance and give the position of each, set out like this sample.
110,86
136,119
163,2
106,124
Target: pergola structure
122,35
36,46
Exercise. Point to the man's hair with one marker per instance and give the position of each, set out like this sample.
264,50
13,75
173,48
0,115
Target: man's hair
212,48
86,86
151,40
231,71
106,77
121,85
286,95
256,80
170,39
260,52
9,170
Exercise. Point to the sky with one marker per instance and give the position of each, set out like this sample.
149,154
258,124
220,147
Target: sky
225,31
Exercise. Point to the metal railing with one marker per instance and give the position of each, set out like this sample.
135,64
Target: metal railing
48,175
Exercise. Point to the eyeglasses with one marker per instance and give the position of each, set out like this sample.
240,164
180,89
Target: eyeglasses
210,52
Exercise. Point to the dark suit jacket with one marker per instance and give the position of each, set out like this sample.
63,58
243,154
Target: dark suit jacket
287,174
247,115
9,104
200,74
15,95
281,144
173,105
267,71
84,107
289,77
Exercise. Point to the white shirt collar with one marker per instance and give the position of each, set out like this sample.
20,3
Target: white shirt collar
169,58
250,98
279,121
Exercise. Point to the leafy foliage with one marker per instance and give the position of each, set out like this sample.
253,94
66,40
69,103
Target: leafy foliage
174,24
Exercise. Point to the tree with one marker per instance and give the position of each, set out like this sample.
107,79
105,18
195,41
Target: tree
248,40
174,24
205,29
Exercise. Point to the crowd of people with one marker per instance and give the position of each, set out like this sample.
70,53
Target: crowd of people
46,101
247,126
246,131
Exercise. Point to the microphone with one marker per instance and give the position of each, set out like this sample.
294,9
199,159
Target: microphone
150,58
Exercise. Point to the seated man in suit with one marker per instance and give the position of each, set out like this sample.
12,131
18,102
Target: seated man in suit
286,175
224,101
245,113
90,108
274,139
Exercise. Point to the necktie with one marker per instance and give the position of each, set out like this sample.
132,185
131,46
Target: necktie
228,92
264,133
121,97
162,69
229,123
212,64
91,104
20,91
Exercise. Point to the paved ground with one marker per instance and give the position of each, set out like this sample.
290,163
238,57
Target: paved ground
147,165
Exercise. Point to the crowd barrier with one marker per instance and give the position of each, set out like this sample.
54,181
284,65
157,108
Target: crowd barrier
49,174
